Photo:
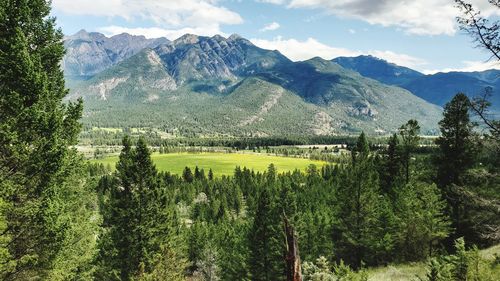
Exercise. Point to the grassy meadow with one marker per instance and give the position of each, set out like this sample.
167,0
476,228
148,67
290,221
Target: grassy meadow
417,271
221,163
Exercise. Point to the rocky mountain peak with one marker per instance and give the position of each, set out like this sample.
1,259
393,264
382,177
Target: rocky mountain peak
86,36
187,39
81,34
234,36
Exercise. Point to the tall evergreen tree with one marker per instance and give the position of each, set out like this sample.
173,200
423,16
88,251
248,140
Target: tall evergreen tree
266,241
456,147
391,168
139,221
410,138
358,209
234,250
422,222
37,166
455,157
362,148
114,260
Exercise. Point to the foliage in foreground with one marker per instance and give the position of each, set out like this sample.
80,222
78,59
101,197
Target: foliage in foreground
48,215
462,265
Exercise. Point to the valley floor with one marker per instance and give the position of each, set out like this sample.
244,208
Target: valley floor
221,163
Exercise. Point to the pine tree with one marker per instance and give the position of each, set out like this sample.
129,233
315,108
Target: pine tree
139,220
271,174
410,138
391,167
207,265
422,222
38,182
455,157
358,209
456,147
114,261
362,148
266,241
460,261
233,250
199,174
187,175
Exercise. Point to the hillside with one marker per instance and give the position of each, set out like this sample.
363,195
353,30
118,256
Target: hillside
438,88
216,85
378,69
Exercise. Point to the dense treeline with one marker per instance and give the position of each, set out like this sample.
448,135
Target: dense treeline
370,209
111,137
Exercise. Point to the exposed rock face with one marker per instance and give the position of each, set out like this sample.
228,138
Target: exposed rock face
362,109
192,58
90,53
322,124
105,87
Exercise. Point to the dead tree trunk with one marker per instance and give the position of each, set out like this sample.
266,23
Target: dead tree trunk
292,258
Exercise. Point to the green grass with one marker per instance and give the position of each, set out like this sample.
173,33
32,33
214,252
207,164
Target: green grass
221,163
109,130
412,271
402,272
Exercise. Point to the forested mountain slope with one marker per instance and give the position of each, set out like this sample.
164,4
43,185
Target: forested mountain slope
217,85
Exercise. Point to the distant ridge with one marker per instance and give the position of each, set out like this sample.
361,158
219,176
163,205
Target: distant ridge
438,88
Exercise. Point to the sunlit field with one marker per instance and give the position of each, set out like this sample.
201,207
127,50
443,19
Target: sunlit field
221,163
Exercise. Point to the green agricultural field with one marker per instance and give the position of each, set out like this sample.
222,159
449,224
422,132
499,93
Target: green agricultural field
221,163
109,130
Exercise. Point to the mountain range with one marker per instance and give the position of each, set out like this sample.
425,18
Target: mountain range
199,85
437,88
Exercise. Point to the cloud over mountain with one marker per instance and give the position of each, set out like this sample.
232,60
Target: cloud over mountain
204,16
298,50
422,17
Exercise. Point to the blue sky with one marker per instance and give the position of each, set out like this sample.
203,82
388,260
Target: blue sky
421,34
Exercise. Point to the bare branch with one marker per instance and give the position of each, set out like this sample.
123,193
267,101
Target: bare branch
479,28
480,105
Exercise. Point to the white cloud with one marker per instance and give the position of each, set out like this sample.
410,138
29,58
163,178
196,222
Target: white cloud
399,59
422,17
276,2
352,31
270,27
469,66
164,13
156,32
302,50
